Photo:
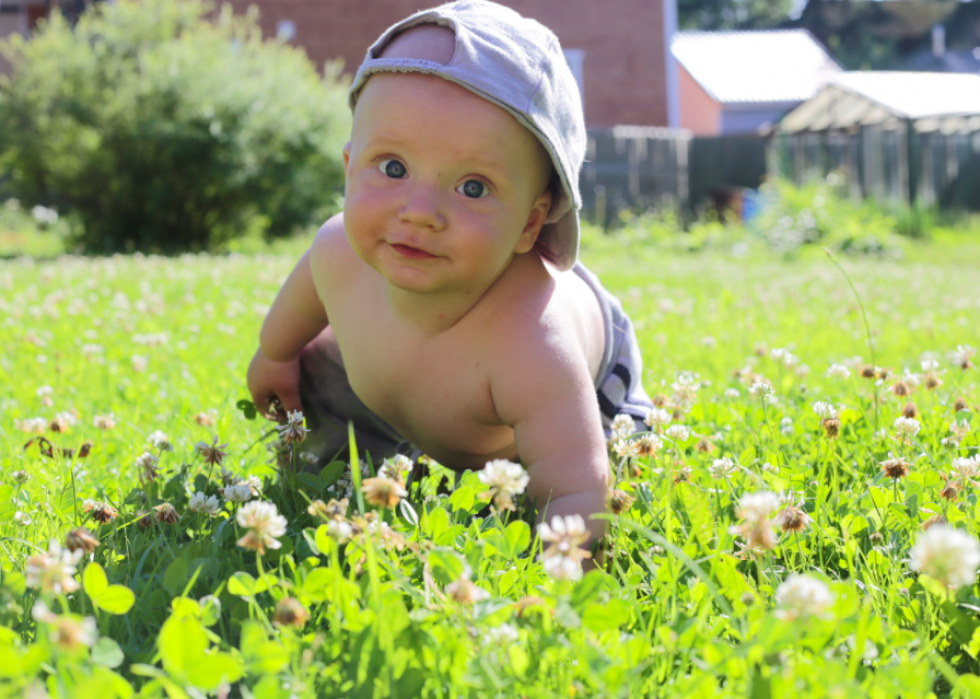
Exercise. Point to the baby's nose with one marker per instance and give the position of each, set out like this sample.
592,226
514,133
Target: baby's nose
423,208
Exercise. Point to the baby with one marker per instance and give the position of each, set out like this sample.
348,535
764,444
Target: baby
444,310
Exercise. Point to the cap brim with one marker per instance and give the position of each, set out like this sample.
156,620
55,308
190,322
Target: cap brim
558,242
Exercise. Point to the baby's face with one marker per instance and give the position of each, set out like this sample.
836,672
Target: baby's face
443,187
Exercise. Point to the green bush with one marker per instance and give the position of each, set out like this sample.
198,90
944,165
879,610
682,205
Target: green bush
165,126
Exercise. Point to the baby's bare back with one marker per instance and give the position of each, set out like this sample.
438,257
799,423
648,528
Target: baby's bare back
437,389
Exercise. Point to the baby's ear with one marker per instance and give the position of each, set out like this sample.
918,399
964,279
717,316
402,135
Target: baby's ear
536,219
346,155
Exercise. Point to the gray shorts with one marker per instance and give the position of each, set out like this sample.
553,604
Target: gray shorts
329,401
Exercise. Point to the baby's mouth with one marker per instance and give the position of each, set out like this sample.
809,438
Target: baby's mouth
411,253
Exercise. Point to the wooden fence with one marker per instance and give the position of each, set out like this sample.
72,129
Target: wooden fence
642,168
634,167
900,164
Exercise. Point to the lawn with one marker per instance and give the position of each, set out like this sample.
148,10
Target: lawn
770,539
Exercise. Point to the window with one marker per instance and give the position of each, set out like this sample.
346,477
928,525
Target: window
575,58
286,30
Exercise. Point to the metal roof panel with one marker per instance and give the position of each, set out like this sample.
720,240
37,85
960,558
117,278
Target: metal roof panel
780,65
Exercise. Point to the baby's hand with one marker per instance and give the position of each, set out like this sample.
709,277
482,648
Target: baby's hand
272,382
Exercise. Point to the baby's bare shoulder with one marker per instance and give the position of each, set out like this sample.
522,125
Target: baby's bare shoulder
331,256
533,313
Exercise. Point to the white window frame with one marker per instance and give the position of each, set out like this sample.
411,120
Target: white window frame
575,58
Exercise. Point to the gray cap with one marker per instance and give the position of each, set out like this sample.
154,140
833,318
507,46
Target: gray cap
517,64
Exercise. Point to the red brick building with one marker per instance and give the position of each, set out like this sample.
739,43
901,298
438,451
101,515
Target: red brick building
617,48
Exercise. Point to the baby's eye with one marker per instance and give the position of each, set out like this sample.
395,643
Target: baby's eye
392,168
473,189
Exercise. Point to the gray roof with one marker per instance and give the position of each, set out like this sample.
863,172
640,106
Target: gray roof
779,66
863,98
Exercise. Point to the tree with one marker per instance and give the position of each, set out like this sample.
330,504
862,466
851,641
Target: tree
715,15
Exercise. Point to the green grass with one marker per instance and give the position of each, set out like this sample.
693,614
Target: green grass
680,609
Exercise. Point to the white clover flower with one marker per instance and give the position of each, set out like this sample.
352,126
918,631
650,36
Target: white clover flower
777,353
838,371
761,389
293,432
929,365
397,468
160,441
800,596
709,341
20,477
204,504
237,493
685,388
505,480
912,379
732,393
254,484
906,427
23,519
264,525
678,433
502,635
949,555
33,425
966,467
146,464
824,410
53,571
960,428
139,363
44,391
622,427
562,568
562,560
105,422
962,355
753,507
657,417
308,458
339,530
724,467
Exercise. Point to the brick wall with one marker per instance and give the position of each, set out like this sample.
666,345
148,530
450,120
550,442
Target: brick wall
623,70
699,111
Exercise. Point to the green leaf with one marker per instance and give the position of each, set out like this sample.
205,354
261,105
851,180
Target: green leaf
248,409
408,512
184,606
215,669
331,472
175,575
519,660
699,512
241,584
6,492
115,599
270,657
94,580
462,499
210,610
435,523
310,481
592,585
518,536
446,565
605,616
182,643
323,541
107,653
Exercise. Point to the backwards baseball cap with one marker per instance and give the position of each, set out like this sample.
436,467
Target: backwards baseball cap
517,64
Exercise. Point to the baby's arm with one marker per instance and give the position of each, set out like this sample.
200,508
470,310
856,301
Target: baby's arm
544,390
296,317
